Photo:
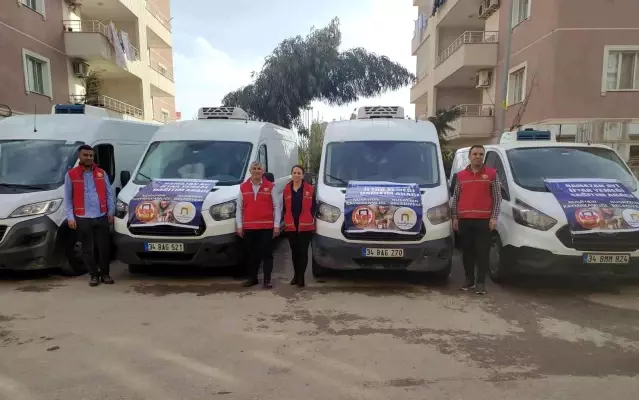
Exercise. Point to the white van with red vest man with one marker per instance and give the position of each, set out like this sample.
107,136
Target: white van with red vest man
258,219
475,207
90,208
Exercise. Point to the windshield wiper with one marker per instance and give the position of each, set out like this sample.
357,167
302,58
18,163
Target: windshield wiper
144,176
15,185
337,179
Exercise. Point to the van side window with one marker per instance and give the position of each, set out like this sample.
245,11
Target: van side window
491,156
105,158
501,172
262,156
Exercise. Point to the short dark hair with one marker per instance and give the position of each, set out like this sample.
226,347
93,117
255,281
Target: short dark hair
476,146
298,166
85,147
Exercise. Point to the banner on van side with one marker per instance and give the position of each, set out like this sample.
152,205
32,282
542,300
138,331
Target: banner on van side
170,202
383,207
596,205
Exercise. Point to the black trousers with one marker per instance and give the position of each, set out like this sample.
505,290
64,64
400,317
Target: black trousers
299,242
92,232
475,239
259,247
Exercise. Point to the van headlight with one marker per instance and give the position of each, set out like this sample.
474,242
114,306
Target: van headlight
224,211
439,214
525,215
121,209
328,213
41,208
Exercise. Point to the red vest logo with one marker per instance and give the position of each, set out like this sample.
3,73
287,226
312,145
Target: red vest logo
588,217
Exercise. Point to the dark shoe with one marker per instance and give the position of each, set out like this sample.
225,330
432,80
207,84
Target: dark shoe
250,282
481,288
468,285
107,279
300,282
94,281
294,280
267,283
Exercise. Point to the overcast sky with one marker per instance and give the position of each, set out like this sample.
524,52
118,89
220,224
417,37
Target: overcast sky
218,43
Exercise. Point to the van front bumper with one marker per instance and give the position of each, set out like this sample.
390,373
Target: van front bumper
28,245
532,261
211,251
430,256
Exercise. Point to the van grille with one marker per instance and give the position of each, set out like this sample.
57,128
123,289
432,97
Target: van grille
383,236
619,241
167,230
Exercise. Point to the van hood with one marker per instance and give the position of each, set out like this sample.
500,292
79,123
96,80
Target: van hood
219,194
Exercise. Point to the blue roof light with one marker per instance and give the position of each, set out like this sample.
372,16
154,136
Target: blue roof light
530,134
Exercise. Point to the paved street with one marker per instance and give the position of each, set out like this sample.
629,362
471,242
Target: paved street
371,336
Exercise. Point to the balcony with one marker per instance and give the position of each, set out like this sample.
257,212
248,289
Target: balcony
163,118
457,65
456,13
419,34
421,87
89,41
117,108
475,123
159,23
161,80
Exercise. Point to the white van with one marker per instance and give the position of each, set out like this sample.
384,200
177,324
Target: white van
217,147
35,154
381,147
533,235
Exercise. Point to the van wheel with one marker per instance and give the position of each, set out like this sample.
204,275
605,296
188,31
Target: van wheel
497,265
72,264
318,270
137,269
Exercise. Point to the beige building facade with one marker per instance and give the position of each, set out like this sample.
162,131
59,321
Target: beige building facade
574,68
49,47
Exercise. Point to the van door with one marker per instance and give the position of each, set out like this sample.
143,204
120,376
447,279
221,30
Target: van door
104,157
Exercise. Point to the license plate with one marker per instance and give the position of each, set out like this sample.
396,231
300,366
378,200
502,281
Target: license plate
165,247
390,253
590,258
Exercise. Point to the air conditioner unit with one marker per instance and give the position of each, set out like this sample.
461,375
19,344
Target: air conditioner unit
222,113
483,79
487,8
374,112
80,69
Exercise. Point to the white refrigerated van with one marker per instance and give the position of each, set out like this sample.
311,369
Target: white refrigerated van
222,142
381,146
35,154
533,235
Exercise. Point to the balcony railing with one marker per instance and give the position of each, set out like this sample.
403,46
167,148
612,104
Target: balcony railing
476,110
110,104
158,15
420,76
468,37
90,26
157,67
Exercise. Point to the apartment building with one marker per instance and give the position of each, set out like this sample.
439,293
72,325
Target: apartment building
573,68
115,54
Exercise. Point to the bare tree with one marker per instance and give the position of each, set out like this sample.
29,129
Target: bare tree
516,124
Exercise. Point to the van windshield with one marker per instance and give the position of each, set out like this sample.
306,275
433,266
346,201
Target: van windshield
391,161
35,164
530,166
223,161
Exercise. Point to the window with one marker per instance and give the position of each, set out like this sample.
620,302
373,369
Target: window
516,85
37,73
622,69
493,160
262,157
521,11
104,157
222,161
390,161
35,5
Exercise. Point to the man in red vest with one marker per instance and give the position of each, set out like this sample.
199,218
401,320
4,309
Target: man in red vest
475,207
90,208
258,218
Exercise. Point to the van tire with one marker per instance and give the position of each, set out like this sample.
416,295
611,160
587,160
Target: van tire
498,265
318,270
70,252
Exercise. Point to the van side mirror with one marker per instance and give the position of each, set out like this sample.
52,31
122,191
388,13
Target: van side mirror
310,178
269,176
125,177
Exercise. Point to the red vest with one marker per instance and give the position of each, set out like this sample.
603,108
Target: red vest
257,211
77,182
306,222
476,193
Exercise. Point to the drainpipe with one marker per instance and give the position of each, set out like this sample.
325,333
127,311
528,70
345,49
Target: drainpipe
501,125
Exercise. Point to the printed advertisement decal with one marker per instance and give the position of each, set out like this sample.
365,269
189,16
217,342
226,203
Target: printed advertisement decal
596,205
170,202
383,207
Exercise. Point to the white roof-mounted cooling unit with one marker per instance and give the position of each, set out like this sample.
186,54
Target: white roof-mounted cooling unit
374,112
222,113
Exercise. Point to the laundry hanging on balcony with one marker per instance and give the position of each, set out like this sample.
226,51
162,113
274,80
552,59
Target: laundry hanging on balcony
126,44
114,38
